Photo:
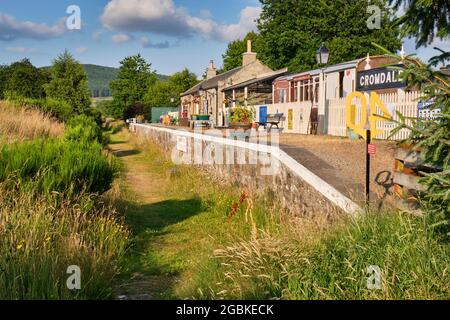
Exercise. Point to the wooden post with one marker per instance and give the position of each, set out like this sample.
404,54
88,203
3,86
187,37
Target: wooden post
368,142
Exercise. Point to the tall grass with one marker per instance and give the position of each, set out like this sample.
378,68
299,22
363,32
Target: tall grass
414,263
41,237
19,124
57,165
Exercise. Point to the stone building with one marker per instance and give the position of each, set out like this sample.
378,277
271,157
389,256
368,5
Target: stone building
208,97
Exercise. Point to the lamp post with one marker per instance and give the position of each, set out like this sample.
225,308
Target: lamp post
322,57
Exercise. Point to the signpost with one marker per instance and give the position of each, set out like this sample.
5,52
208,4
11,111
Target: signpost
367,126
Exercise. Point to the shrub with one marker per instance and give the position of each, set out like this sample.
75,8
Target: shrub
241,114
57,165
82,128
55,108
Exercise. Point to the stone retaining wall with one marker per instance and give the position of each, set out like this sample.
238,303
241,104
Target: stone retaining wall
272,171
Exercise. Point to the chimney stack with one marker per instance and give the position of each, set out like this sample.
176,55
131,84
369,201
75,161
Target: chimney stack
249,56
212,71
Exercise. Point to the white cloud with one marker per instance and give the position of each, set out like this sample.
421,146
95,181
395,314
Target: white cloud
82,50
11,28
146,43
121,38
97,35
21,50
163,17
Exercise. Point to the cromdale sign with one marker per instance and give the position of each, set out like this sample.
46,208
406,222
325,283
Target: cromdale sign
379,78
375,74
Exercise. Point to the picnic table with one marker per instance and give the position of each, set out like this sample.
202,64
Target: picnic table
272,120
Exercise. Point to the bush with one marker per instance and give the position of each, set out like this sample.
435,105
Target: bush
83,128
241,114
55,108
58,165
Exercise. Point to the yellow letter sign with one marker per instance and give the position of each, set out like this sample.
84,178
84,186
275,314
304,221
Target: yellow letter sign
375,102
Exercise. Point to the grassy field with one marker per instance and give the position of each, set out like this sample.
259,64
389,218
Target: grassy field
53,210
19,124
188,242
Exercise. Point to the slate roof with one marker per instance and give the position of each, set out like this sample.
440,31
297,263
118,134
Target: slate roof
211,83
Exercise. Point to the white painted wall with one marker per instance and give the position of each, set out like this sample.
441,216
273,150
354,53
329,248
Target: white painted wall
301,115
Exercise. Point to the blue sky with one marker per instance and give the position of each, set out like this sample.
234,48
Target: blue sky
171,34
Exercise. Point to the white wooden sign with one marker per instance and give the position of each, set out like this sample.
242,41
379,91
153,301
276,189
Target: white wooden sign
182,144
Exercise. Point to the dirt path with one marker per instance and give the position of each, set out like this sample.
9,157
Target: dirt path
143,211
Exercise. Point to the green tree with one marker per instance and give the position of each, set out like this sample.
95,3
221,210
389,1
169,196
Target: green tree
292,30
424,20
22,79
430,137
3,79
160,94
232,58
69,83
183,80
133,81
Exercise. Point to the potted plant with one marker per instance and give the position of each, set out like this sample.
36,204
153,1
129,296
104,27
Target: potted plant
241,117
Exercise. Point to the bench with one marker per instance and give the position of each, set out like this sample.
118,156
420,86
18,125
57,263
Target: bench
272,120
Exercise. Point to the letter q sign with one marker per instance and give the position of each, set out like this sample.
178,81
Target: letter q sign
375,105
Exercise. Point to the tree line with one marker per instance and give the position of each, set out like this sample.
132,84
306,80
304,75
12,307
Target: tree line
61,90
137,89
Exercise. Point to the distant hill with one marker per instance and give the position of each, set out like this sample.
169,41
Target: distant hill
99,78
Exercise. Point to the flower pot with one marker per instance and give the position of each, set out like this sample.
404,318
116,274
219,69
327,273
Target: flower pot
240,125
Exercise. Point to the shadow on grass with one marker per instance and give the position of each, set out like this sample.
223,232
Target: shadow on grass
126,153
148,223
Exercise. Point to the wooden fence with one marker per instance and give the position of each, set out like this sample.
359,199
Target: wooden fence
405,102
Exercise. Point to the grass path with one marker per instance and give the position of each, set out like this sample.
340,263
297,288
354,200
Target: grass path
177,219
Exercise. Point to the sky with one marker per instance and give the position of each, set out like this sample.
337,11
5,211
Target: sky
171,34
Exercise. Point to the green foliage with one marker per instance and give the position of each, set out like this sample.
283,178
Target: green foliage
424,20
430,137
69,83
57,165
133,80
291,31
55,108
100,77
23,79
160,93
83,129
241,114
233,55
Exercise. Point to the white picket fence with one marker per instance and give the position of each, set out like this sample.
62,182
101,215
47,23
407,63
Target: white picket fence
405,102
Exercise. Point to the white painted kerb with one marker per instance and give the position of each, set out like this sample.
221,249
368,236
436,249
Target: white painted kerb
328,191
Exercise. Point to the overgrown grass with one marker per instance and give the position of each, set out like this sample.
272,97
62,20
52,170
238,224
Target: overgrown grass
53,213
41,237
414,263
18,124
57,165
261,253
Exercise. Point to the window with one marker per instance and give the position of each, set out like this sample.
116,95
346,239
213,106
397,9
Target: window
341,84
294,91
316,91
282,95
304,88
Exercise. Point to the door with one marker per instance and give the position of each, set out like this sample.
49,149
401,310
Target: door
263,114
